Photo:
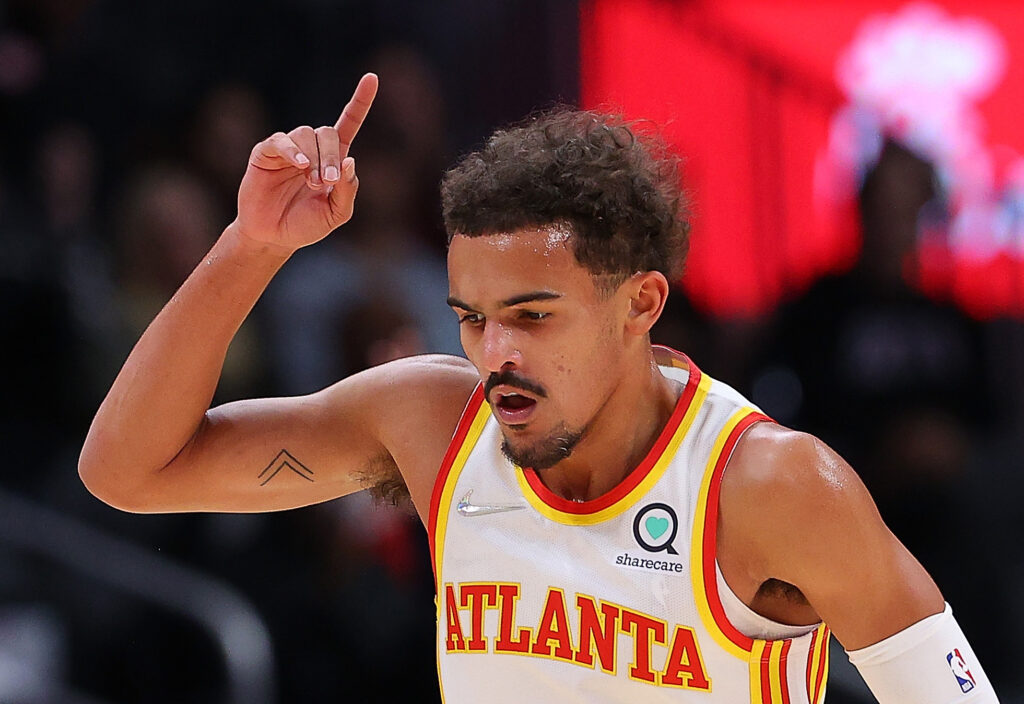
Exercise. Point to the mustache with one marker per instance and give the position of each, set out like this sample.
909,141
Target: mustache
510,378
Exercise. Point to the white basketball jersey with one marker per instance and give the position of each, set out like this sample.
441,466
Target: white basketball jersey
541,599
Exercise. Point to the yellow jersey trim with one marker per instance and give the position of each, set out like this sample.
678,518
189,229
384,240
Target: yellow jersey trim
645,485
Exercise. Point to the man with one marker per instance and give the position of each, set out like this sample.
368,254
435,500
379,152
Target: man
597,504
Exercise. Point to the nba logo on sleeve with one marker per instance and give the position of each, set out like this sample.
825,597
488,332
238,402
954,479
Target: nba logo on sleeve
963,676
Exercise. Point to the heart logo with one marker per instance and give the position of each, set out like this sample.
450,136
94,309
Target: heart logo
656,527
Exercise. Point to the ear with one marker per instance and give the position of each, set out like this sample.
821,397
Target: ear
648,292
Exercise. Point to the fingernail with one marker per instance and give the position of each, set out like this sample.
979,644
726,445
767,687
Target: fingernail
302,159
331,173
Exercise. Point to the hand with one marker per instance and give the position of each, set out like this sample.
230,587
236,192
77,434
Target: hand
300,186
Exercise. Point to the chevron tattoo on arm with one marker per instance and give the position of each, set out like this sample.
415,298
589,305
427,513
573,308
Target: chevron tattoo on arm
285,460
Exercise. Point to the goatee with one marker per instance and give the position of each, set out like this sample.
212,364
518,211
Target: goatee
545,453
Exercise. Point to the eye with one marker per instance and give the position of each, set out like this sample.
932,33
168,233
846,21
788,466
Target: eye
471,319
534,315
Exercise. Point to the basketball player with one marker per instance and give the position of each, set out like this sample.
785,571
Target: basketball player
607,523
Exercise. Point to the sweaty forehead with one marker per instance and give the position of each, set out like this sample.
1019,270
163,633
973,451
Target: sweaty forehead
487,268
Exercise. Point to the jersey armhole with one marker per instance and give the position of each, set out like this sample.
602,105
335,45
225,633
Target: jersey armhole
458,438
704,551
782,671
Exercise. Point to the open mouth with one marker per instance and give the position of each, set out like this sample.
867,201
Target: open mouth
513,408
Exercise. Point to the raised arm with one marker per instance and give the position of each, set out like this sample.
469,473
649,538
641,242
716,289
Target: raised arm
155,446
792,510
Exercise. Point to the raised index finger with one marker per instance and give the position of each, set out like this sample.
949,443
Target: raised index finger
352,116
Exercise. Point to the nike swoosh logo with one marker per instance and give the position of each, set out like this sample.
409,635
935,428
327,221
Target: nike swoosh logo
467,509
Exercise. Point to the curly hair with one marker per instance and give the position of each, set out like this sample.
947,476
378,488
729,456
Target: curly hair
616,187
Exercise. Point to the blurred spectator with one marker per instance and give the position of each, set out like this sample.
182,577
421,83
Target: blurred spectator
377,332
127,127
230,120
895,382
864,351
375,552
42,409
411,104
68,183
413,110
379,255
167,223
362,569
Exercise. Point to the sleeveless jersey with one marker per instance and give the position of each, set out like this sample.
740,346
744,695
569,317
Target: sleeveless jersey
616,599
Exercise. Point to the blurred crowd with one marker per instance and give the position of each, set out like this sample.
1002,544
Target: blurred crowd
125,130
924,402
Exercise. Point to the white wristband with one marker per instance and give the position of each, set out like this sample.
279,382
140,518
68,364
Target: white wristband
930,662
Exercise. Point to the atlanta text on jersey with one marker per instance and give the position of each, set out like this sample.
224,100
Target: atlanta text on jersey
595,640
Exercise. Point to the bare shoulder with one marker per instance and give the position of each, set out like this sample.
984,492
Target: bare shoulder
428,373
421,384
780,469
793,510
420,396
813,501
412,406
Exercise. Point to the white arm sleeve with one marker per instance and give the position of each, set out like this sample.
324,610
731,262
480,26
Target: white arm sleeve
930,662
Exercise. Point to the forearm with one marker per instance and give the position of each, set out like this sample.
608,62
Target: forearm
159,399
930,662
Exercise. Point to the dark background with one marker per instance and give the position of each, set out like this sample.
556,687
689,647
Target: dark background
124,130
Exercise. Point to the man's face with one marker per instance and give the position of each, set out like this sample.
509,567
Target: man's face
546,342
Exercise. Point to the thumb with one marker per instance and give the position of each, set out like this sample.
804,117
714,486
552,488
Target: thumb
342,197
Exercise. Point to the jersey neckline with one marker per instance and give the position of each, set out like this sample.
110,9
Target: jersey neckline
644,475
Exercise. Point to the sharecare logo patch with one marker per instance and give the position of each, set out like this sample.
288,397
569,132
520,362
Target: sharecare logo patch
655,527
644,563
963,676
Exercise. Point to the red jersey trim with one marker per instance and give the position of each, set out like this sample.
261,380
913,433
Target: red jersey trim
634,478
709,551
783,667
766,677
822,674
458,438
810,665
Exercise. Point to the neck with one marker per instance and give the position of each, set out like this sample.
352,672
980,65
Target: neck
619,437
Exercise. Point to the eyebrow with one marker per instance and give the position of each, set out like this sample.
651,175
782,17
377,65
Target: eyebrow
509,302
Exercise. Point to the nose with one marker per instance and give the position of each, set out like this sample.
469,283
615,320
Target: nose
499,348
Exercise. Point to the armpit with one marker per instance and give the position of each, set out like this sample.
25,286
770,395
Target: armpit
777,589
385,483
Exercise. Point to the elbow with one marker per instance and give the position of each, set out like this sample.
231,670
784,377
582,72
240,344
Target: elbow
106,482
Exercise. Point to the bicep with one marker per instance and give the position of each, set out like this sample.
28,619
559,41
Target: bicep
266,455
831,543
280,453
867,588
